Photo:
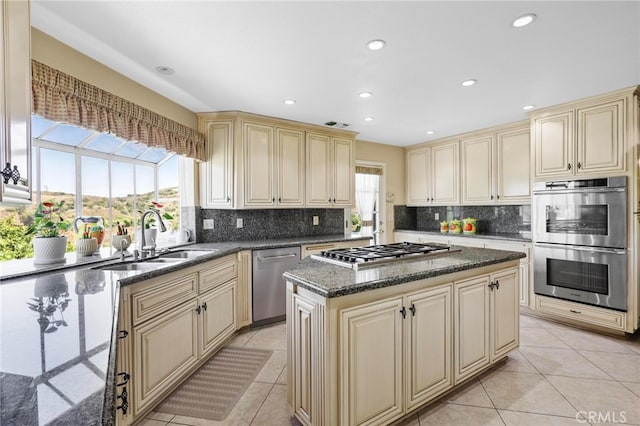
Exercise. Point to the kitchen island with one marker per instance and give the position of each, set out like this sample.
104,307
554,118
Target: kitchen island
372,345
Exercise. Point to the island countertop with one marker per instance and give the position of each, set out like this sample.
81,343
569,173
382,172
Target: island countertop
330,280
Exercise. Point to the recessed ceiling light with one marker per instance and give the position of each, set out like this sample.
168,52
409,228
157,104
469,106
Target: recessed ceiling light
164,70
468,83
430,132
528,107
368,119
376,44
365,94
289,101
524,20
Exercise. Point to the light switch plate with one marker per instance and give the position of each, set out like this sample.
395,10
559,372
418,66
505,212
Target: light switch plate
239,222
316,220
207,223
436,216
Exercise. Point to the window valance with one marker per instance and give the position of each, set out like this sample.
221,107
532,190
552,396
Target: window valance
60,97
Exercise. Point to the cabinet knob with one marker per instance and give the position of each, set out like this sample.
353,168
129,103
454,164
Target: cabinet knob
228,199
198,310
491,286
403,311
579,165
122,334
279,199
497,197
329,199
569,166
413,310
334,200
492,197
125,378
204,306
497,285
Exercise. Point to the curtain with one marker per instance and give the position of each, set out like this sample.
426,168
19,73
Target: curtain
366,192
60,97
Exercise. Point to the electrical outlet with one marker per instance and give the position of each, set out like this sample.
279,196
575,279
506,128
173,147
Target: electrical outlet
316,220
239,222
207,223
436,216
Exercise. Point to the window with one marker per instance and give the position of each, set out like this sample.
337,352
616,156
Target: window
96,174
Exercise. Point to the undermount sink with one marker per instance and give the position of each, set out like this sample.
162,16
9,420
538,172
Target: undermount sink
136,266
185,254
166,260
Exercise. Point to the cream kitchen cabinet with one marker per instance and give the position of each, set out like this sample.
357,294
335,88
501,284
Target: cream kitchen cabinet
15,103
495,167
274,166
169,326
217,171
416,326
433,174
583,138
330,171
486,326
255,161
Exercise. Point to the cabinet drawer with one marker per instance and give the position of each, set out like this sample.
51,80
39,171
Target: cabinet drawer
217,272
583,313
159,297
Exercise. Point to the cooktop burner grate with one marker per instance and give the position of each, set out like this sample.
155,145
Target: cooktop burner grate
374,255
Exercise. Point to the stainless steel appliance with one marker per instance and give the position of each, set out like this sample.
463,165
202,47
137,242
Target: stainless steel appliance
268,287
580,234
362,257
589,212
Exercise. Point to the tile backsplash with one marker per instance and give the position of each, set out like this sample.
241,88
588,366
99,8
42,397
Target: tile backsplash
267,223
490,219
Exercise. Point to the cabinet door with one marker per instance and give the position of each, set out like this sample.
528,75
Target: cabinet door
513,166
217,317
343,173
554,145
445,168
216,172
302,326
165,348
371,363
601,138
290,167
471,326
428,345
319,171
15,100
259,166
504,313
418,177
477,170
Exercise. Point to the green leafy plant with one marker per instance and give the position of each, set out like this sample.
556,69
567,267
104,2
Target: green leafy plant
356,222
45,225
151,220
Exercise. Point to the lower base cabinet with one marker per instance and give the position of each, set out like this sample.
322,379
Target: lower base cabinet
168,327
373,362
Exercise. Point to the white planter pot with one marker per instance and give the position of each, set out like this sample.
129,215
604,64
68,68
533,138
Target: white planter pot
150,236
120,242
49,250
86,246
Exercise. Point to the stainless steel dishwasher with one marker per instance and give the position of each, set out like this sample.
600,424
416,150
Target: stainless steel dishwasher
269,292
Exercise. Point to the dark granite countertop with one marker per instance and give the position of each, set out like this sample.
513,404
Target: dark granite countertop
524,237
57,332
334,281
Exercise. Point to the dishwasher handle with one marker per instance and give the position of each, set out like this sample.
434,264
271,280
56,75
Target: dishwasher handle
278,257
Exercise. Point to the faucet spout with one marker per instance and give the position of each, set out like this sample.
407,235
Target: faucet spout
163,228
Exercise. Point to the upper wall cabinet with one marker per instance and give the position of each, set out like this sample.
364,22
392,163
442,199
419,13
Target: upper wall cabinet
495,166
15,103
330,171
432,174
583,138
262,162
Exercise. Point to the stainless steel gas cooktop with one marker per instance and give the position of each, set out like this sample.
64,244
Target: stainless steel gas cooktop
361,257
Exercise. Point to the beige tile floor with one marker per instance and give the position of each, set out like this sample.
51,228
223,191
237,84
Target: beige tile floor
559,376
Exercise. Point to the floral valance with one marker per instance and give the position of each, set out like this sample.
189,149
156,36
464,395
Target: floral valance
60,97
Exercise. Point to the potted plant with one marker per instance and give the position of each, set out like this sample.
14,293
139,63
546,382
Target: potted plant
150,232
356,222
122,240
49,245
86,245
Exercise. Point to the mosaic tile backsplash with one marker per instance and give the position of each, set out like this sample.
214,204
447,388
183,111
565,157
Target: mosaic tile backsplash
267,223
490,219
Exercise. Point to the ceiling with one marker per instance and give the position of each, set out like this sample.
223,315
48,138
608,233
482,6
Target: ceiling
251,56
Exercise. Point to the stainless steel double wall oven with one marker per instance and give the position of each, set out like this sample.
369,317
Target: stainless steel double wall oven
580,240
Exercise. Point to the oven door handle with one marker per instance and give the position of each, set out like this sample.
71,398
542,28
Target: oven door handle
577,191
582,248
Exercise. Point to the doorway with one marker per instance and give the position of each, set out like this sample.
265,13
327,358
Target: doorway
370,203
